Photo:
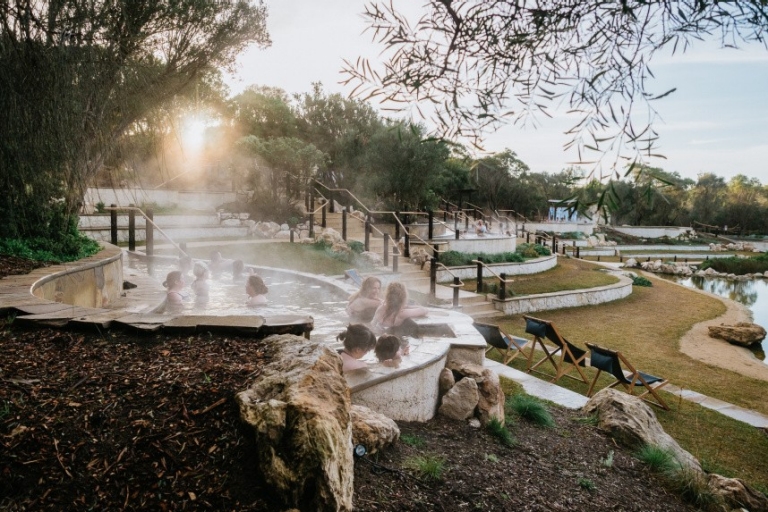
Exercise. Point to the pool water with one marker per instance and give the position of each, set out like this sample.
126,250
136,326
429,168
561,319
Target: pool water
289,294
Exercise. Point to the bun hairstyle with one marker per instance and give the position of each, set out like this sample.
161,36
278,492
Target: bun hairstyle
257,284
172,278
387,347
357,336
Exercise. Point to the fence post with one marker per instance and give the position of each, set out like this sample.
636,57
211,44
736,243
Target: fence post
343,224
149,239
291,231
466,222
131,228
528,237
113,223
456,282
330,197
395,258
386,250
433,277
397,227
407,244
431,224
323,223
307,193
554,243
675,260
502,286
368,232
456,224
578,252
311,215
479,277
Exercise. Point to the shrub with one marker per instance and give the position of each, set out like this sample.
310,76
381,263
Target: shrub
100,207
500,432
533,250
68,247
658,459
430,467
641,281
738,265
457,259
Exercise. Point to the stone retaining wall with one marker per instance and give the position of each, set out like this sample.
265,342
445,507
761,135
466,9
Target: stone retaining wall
94,282
568,299
511,269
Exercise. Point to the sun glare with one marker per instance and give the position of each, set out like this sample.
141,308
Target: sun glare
193,133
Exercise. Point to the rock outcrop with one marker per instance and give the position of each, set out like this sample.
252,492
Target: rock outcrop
476,393
743,333
372,429
299,410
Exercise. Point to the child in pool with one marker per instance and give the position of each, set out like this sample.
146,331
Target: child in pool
201,285
358,340
388,350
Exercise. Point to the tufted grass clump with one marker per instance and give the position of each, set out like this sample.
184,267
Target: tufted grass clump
532,409
411,440
428,467
658,459
692,486
500,432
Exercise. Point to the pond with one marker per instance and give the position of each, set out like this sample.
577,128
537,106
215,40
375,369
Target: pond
752,293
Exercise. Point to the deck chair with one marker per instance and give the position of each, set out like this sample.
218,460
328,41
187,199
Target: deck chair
611,361
353,275
565,357
508,347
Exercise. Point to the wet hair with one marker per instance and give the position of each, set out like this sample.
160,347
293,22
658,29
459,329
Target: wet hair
199,270
365,288
357,336
172,278
257,284
387,347
394,299
237,268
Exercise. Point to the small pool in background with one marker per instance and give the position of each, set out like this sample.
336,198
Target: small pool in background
290,293
752,293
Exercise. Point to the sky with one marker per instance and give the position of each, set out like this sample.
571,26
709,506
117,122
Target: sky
716,122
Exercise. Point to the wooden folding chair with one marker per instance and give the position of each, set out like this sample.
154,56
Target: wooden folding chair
564,358
611,361
508,347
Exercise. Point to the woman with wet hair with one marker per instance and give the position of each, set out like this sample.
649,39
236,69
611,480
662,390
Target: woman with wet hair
395,309
358,340
201,284
256,290
174,283
364,303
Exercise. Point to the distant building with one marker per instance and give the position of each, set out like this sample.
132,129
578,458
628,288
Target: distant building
562,211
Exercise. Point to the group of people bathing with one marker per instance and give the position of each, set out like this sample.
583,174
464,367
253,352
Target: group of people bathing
176,281
391,318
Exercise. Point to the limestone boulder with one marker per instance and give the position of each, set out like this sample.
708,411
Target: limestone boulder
632,423
445,381
372,258
737,494
329,236
460,401
230,222
631,263
490,402
743,333
299,411
372,429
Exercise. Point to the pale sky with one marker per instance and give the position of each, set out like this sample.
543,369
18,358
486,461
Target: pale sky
716,121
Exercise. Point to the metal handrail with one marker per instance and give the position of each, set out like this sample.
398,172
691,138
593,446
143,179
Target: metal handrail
363,207
507,281
448,269
174,244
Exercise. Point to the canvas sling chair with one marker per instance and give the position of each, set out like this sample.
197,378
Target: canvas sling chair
507,346
564,356
611,361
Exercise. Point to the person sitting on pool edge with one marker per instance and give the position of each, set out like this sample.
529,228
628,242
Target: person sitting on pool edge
364,303
256,290
358,340
395,309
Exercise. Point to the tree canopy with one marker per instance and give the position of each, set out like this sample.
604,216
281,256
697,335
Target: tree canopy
470,65
76,74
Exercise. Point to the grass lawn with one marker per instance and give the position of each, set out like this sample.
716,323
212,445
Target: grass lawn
647,327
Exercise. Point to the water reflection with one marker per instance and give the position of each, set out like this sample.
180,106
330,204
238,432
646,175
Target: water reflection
752,293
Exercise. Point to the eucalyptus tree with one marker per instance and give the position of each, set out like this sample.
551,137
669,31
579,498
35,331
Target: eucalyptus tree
264,112
494,177
76,74
472,65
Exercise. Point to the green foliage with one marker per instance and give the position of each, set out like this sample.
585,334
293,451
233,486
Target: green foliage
68,247
410,440
500,432
100,207
641,281
5,410
608,460
530,408
274,209
429,467
494,286
692,486
490,457
738,265
356,246
457,259
658,459
587,484
532,250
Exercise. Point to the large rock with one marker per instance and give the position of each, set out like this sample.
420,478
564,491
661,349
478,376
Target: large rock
632,423
743,333
372,429
737,494
299,410
460,401
490,402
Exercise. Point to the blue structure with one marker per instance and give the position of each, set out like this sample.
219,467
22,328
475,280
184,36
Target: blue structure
560,211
